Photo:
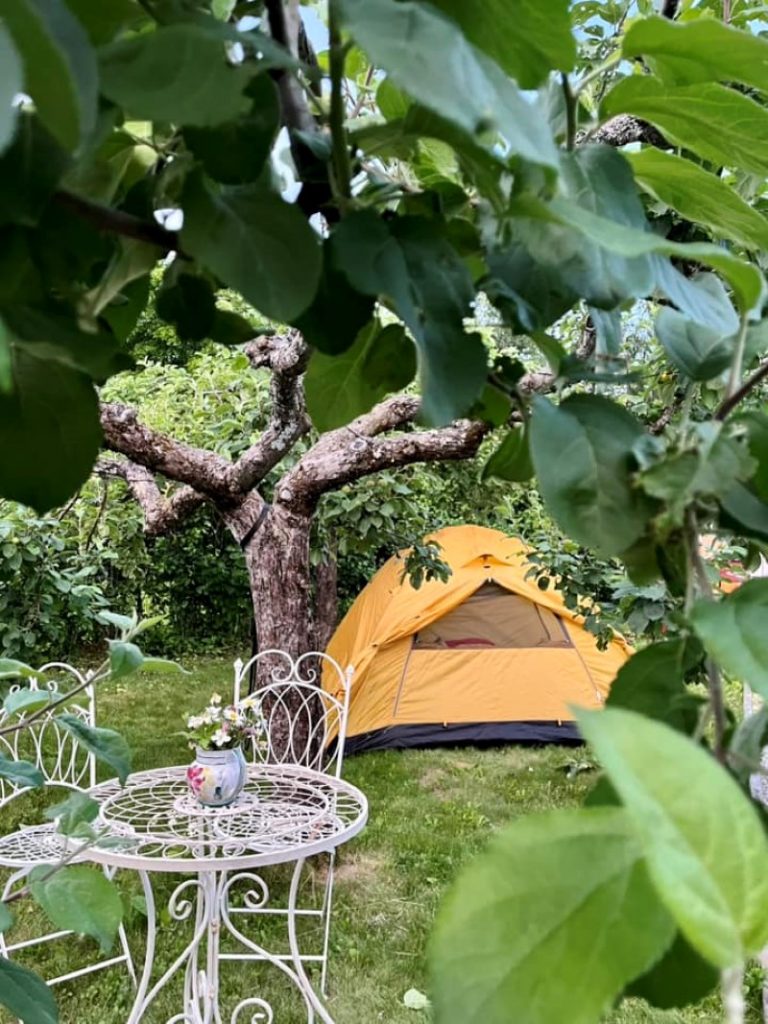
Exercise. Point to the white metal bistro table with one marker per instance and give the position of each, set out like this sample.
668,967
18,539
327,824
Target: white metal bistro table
154,824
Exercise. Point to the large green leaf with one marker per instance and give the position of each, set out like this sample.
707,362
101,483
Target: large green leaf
652,683
341,387
338,312
102,22
256,243
703,841
409,263
696,297
49,432
450,77
57,338
124,658
60,72
26,995
26,700
697,351
235,152
108,746
20,773
80,899
11,82
582,453
528,39
745,511
719,124
568,889
71,814
680,978
699,196
10,668
530,295
745,279
30,169
177,73
733,631
512,459
757,439
597,181
701,50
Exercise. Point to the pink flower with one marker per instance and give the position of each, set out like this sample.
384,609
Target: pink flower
195,777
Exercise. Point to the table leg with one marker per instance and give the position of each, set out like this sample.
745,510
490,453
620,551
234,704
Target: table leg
306,985
197,1004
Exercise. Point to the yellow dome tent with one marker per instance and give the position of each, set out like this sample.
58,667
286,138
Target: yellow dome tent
487,656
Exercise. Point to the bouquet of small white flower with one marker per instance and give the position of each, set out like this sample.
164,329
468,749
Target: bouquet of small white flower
226,726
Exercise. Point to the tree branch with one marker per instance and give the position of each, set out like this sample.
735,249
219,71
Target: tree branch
286,356
205,471
161,513
730,403
117,222
334,461
622,130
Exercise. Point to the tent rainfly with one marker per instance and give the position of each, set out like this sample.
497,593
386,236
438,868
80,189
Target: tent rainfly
486,657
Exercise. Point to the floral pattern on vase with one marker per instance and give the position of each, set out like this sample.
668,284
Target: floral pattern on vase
217,777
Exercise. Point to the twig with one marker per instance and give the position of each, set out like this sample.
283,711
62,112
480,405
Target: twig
730,403
117,222
341,166
570,112
99,515
52,705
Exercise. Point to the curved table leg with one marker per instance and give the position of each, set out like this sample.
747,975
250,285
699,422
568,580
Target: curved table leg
306,984
149,956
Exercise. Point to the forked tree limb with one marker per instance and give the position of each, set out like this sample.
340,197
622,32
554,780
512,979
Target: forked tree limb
161,512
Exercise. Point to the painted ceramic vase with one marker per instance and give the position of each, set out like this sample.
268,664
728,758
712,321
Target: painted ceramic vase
217,777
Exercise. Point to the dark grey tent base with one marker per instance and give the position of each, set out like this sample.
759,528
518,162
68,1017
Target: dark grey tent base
399,737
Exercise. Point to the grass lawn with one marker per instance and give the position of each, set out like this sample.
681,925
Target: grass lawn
430,811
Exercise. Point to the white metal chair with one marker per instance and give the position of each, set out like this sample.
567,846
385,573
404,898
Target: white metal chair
65,764
306,725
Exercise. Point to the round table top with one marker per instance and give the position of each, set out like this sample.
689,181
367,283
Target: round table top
285,813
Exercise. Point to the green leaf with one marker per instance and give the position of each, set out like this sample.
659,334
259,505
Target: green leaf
49,433
530,295
76,810
719,124
80,899
337,313
256,243
102,22
409,263
702,298
186,301
230,329
26,700
341,387
680,978
652,681
698,352
744,278
568,888
699,196
702,50
177,73
582,453
30,169
527,39
743,508
745,751
234,153
124,658
57,338
11,83
26,995
733,632
131,260
6,922
512,459
60,72
121,622
164,666
12,669
107,745
597,182
703,841
450,77
20,773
